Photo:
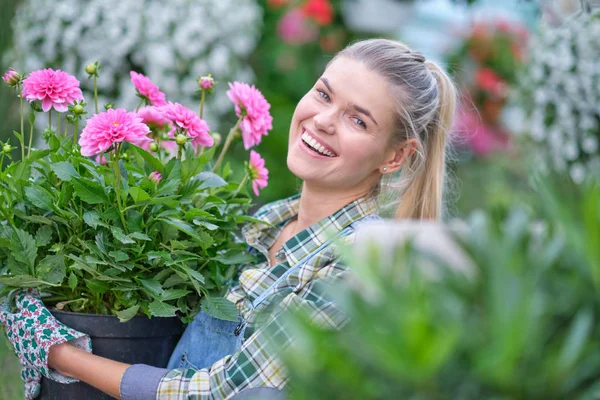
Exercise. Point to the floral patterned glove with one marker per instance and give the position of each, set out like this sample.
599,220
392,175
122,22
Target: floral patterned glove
32,330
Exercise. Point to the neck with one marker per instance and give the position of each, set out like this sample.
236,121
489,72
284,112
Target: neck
318,203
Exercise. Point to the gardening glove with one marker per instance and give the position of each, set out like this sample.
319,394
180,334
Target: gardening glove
32,330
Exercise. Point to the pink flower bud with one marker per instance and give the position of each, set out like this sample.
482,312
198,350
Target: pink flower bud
11,77
206,82
155,177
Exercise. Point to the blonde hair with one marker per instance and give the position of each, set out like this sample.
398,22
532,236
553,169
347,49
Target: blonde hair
425,107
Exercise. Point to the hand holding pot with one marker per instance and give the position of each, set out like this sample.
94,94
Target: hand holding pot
32,330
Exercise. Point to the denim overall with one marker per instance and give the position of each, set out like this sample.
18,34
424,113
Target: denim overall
207,339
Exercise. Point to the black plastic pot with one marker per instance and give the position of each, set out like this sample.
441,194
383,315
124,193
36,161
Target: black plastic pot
140,340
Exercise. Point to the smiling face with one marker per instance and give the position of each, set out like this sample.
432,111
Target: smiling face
341,129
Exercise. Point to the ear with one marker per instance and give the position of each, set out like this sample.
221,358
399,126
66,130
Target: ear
398,155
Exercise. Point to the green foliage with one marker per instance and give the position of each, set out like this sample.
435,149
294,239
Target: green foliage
99,244
522,325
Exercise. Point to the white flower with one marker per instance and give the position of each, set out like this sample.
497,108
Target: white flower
561,94
168,41
577,172
590,144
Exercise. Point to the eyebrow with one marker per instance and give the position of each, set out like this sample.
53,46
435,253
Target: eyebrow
356,107
326,82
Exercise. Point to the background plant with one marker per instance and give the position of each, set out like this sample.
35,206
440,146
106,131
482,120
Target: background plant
521,326
560,94
169,42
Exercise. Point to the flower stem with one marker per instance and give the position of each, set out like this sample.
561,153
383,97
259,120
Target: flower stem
227,143
30,139
202,103
179,152
22,129
242,183
75,130
50,119
118,185
140,105
58,124
96,92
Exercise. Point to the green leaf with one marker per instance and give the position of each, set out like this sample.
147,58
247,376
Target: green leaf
52,269
234,257
43,236
92,218
138,195
195,275
159,309
220,308
97,286
53,143
120,236
190,167
90,192
23,247
17,268
152,161
152,286
210,180
37,154
72,281
22,172
39,197
18,135
27,281
182,226
245,218
118,255
208,225
64,170
173,294
37,219
577,338
128,313
139,236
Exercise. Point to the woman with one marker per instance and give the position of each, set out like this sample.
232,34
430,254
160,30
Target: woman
379,108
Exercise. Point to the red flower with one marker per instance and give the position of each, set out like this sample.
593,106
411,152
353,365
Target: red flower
488,81
321,11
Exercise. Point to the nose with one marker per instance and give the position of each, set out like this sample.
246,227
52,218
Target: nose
325,122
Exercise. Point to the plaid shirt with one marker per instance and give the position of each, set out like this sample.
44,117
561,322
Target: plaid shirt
255,363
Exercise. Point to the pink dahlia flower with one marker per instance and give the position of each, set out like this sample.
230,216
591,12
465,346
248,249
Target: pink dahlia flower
110,127
153,117
56,89
252,105
11,77
259,175
187,122
206,82
155,177
147,89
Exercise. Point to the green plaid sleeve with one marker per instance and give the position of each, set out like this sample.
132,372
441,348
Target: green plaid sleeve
256,363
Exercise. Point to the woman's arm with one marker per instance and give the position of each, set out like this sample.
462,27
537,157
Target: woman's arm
101,373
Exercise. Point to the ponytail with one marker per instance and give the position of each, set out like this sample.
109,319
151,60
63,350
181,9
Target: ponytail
423,196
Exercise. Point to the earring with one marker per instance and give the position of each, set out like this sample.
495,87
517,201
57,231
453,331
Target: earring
384,169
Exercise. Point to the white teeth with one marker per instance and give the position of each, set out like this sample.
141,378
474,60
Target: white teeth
316,145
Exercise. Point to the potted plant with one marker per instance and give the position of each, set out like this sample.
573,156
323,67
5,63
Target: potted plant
145,229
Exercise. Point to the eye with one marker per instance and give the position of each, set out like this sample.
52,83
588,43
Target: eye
359,122
323,95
